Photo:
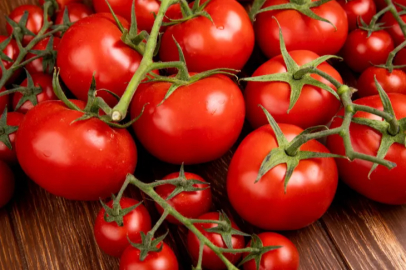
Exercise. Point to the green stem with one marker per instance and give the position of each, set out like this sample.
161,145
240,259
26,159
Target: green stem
396,15
328,77
392,54
158,224
376,17
116,202
393,122
185,8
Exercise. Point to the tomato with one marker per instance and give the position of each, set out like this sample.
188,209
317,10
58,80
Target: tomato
210,260
76,12
391,82
189,204
265,204
315,106
62,3
93,165
6,154
84,50
384,185
144,9
284,258
228,43
196,124
6,184
301,32
11,51
380,4
36,65
400,58
356,10
361,51
393,28
4,100
112,238
40,80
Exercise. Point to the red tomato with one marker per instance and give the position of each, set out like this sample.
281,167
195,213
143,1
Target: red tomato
228,43
361,51
93,165
112,238
380,4
265,204
356,9
315,106
62,3
6,184
6,154
11,51
196,124
76,12
39,79
36,65
85,50
145,10
301,32
391,82
4,100
210,259
284,258
384,185
400,58
393,28
189,204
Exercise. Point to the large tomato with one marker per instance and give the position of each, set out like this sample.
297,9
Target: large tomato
12,52
391,82
83,160
226,43
384,185
37,64
197,123
301,32
6,184
357,10
265,204
6,154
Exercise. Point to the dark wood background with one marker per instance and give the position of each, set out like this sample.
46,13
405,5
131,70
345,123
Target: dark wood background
39,231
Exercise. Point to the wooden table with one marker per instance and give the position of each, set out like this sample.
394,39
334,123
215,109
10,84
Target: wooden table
39,231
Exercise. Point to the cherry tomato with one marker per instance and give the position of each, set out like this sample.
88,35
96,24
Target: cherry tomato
76,12
380,4
226,43
36,65
189,204
391,82
393,28
210,260
4,100
301,32
62,3
196,124
384,185
11,51
356,10
112,238
93,165
6,184
6,154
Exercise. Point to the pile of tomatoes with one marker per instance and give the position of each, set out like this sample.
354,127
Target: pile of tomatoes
57,120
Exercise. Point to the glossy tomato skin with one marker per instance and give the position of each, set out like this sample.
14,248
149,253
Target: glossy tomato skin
356,9
85,50
265,204
393,27
36,65
210,259
301,32
197,123
228,43
40,80
11,51
384,185
6,154
111,238
361,51
6,184
62,3
4,100
189,204
93,165
315,106
394,82
164,260
76,12
284,258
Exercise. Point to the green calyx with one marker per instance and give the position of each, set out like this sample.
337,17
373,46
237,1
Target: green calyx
53,6
190,13
371,27
6,130
48,56
29,93
149,244
20,29
116,213
66,23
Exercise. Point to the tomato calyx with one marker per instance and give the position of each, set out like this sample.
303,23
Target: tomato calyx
190,13
6,130
66,23
48,56
20,29
116,213
29,93
148,244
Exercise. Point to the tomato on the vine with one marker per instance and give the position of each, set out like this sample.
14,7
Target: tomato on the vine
393,28
62,3
391,82
12,52
76,12
6,154
6,184
400,59
357,10
36,66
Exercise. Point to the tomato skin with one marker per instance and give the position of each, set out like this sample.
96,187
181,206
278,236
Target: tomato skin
301,32
385,185
111,238
6,184
356,9
265,204
393,27
228,43
391,82
11,51
210,260
197,123
315,106
76,11
6,154
283,258
85,50
62,3
189,204
92,166
36,65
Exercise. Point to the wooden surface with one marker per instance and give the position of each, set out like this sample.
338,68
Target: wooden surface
39,231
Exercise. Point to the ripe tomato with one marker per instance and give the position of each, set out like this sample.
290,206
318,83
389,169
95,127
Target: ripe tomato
11,51
189,204
286,257
39,79
361,51
93,165
6,184
400,58
196,124
391,82
163,260
6,154
112,238
265,204
315,106
210,259
393,28
85,50
380,4
301,32
226,43
4,100
76,12
36,65
384,185
62,3
356,9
